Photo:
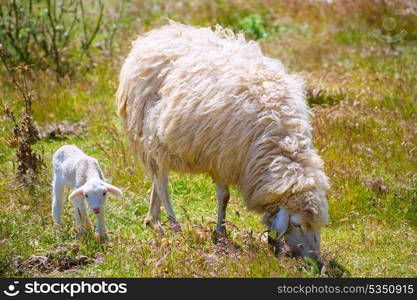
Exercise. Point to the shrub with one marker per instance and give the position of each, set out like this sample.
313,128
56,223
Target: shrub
49,33
24,134
254,26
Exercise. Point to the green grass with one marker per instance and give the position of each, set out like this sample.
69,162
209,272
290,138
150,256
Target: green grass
363,92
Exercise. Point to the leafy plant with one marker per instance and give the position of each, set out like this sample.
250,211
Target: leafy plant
46,32
254,26
111,29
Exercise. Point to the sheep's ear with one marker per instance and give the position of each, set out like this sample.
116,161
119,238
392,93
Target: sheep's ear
76,193
114,190
310,214
280,223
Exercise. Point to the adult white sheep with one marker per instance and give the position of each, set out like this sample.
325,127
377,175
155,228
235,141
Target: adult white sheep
201,101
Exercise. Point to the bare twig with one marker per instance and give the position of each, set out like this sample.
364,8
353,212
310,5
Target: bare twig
24,134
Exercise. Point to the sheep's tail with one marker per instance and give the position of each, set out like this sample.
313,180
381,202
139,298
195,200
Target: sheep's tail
149,62
140,80
122,96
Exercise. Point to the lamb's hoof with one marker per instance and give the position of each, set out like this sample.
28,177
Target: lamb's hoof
101,237
57,228
175,227
81,232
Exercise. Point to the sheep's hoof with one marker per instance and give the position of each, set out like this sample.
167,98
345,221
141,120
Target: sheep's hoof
219,235
154,224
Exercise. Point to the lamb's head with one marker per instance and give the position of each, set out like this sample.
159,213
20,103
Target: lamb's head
95,192
300,221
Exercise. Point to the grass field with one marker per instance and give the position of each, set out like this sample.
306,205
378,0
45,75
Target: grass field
362,89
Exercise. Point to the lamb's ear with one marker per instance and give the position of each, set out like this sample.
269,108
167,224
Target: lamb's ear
114,190
76,193
280,223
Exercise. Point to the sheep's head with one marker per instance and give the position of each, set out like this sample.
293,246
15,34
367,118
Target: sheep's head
95,192
300,222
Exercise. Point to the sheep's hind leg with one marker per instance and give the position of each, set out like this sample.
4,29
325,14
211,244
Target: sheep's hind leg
161,185
153,218
57,199
223,197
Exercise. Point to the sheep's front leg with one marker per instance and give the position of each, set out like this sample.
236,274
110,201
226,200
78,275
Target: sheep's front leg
101,225
57,199
223,196
81,215
154,213
161,185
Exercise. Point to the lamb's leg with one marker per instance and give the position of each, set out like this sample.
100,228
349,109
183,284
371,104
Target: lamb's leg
223,196
161,185
154,213
101,225
81,215
57,199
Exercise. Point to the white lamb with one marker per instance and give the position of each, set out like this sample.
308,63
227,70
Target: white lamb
82,173
201,101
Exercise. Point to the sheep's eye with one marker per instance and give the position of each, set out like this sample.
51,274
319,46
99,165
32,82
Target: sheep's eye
86,195
104,193
296,225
